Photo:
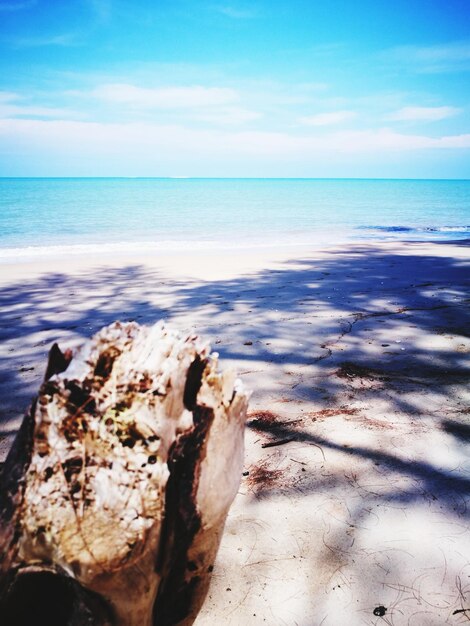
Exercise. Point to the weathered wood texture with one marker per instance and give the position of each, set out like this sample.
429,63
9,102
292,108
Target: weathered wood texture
115,493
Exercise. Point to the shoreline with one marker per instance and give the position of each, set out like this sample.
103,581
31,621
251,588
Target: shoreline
86,255
358,356
113,249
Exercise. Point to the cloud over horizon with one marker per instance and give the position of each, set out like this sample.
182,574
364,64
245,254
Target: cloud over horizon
164,97
328,119
425,114
274,85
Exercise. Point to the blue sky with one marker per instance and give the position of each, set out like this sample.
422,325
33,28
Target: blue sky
228,88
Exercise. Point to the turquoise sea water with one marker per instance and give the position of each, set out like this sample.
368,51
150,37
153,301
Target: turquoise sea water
42,216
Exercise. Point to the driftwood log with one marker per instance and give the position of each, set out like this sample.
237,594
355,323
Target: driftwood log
114,495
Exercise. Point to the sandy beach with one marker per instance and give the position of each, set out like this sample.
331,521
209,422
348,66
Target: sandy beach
354,503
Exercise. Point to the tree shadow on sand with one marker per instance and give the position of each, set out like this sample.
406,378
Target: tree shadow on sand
309,321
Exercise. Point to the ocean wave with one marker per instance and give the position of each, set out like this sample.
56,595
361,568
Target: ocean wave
450,229
418,229
139,247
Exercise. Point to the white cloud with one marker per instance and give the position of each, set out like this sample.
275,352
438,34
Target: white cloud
165,97
215,106
328,119
101,9
227,115
63,39
7,96
11,106
448,57
13,110
237,12
385,139
424,114
147,144
312,87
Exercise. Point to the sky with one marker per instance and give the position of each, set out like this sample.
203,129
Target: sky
267,88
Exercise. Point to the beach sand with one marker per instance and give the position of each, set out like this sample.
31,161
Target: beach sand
354,504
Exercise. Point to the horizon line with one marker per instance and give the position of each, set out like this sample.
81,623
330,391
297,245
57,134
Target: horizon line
229,178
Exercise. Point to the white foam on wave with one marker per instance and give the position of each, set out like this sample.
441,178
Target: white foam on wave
451,229
139,247
419,229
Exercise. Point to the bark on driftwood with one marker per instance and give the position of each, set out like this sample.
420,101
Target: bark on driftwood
115,493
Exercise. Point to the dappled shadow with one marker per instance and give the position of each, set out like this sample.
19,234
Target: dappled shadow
318,328
65,308
442,484
460,431
359,364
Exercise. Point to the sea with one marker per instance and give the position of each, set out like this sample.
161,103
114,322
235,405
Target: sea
41,217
